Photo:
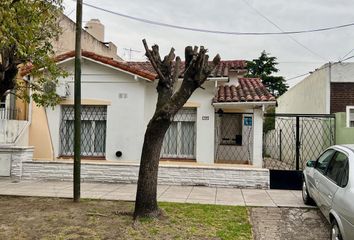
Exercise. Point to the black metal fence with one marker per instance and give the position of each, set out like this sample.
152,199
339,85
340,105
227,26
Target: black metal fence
233,137
290,140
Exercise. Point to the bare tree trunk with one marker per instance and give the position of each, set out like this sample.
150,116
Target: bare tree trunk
197,69
146,199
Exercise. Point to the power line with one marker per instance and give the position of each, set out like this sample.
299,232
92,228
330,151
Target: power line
347,58
219,31
68,15
280,29
323,67
299,62
293,78
348,53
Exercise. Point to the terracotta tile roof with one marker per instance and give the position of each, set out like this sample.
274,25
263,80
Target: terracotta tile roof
222,70
105,60
145,69
248,90
110,61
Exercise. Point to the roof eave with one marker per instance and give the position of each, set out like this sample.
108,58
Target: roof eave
107,65
230,105
222,79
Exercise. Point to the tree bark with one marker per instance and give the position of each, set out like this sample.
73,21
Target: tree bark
146,202
197,69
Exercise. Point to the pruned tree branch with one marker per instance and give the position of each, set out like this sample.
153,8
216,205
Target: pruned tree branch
176,71
153,58
165,72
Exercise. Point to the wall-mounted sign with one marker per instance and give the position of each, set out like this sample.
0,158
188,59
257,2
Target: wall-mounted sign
247,121
205,117
122,95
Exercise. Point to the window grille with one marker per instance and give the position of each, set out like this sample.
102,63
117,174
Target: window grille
179,141
231,129
233,141
93,131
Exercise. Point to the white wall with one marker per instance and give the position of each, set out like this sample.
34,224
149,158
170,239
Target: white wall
11,130
201,98
185,175
342,72
256,156
128,117
125,116
311,95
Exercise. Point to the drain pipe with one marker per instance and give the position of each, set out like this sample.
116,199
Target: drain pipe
29,114
328,95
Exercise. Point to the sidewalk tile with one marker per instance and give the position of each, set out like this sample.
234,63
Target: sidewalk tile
257,197
203,193
168,193
179,192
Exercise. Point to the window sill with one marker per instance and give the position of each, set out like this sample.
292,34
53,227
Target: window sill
83,157
231,144
177,160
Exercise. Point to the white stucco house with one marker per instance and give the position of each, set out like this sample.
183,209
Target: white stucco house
215,139
221,123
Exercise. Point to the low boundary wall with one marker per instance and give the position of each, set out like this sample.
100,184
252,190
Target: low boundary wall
192,175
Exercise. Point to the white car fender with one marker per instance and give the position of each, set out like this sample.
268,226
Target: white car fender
334,215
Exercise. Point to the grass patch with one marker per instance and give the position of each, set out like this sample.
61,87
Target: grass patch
55,218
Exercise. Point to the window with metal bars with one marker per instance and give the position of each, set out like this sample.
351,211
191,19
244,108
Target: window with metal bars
93,131
179,141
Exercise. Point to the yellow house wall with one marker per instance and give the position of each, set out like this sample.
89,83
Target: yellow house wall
39,135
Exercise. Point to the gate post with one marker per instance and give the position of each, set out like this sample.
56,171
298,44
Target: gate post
297,154
280,150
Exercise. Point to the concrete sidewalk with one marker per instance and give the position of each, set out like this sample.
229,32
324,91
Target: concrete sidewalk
166,193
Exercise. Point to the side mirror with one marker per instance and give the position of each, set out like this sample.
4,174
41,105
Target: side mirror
310,163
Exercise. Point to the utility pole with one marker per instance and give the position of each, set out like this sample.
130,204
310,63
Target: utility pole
77,103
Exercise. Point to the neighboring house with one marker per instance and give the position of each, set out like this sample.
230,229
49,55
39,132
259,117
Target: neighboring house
328,90
92,38
16,123
221,123
15,114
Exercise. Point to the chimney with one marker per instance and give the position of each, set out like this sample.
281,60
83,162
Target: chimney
96,29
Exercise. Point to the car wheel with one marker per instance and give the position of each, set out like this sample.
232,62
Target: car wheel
335,231
305,194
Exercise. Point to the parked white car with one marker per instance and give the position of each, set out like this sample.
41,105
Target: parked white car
329,182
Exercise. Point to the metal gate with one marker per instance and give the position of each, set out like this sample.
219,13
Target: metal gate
233,137
290,140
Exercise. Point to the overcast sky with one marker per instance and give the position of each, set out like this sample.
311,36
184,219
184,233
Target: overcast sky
236,16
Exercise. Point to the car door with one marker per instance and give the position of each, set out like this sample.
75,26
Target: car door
343,206
319,170
330,182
